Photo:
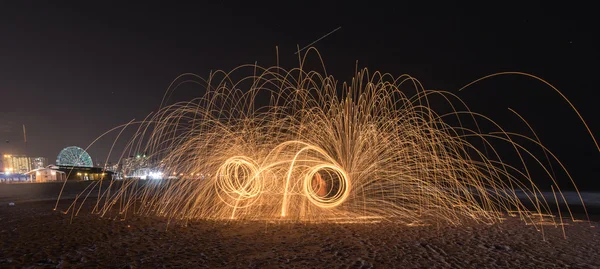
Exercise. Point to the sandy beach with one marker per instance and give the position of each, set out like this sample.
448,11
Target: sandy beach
33,235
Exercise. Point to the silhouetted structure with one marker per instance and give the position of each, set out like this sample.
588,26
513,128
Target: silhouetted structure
85,173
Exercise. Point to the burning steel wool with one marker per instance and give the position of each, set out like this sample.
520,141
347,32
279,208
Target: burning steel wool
319,150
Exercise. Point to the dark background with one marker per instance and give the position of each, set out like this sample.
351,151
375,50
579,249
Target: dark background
70,71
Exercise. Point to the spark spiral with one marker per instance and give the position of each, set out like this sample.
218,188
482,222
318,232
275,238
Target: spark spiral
297,145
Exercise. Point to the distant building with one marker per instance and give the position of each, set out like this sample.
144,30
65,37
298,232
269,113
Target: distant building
113,167
85,173
135,162
135,166
46,175
38,162
14,164
19,164
139,166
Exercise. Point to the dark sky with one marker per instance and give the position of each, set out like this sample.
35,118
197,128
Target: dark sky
70,71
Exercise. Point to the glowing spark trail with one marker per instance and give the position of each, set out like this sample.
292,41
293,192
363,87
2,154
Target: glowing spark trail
372,153
307,46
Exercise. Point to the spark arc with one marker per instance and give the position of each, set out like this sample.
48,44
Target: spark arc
297,145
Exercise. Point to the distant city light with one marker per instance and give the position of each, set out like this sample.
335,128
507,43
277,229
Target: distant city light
156,175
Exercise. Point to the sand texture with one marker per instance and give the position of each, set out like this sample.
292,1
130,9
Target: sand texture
32,235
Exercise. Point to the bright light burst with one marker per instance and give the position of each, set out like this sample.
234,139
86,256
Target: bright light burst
321,150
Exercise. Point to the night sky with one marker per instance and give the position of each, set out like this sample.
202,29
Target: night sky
70,71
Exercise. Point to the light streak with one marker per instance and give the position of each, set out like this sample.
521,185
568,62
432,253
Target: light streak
375,152
312,43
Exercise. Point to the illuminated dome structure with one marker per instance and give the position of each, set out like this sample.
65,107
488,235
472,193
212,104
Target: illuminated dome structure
74,156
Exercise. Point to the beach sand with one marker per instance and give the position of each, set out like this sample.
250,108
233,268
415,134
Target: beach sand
33,235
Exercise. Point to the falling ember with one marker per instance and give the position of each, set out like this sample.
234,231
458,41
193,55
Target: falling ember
373,152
